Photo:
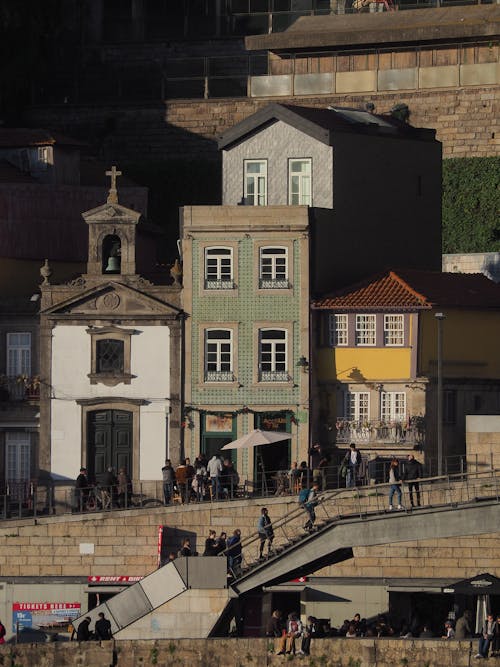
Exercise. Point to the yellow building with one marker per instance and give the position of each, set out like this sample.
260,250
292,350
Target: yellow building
376,362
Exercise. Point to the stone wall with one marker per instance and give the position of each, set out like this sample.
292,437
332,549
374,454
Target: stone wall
126,542
464,119
483,441
241,653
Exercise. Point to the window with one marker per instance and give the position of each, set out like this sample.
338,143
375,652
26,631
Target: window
273,355
394,329
18,354
273,268
218,355
365,329
219,268
337,329
299,182
393,406
255,183
109,356
17,462
43,158
358,406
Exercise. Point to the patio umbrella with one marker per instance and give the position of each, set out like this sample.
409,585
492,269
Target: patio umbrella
256,438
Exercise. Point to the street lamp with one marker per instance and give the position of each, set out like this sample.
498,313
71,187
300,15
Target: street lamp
440,317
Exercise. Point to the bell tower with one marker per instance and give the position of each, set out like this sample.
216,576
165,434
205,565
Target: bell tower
112,236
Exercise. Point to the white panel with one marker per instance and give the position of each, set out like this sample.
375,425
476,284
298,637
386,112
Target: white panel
152,440
65,447
162,585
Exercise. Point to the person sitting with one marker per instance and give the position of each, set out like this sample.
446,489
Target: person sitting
449,631
185,549
293,631
275,625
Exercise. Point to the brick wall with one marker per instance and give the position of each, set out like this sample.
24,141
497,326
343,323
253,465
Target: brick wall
239,652
466,120
126,542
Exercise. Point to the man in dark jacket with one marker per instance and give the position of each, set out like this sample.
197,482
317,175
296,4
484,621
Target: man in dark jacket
413,471
103,628
81,490
83,631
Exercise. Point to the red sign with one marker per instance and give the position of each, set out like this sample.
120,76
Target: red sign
97,579
44,606
300,580
160,541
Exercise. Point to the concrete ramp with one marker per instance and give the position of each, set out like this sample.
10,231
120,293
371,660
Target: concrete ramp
336,539
127,608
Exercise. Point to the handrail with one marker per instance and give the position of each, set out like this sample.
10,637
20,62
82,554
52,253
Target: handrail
442,484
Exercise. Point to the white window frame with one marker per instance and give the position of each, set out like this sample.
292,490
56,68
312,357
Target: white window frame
392,406
43,158
338,329
301,189
366,330
18,353
273,356
358,406
258,180
273,267
394,330
219,267
218,353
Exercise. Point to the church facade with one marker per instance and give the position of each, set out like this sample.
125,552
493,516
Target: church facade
110,352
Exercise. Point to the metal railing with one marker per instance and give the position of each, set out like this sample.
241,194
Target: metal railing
31,498
334,506
394,432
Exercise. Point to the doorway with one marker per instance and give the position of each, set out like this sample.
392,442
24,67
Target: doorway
109,442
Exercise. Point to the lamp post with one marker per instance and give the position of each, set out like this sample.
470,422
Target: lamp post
440,317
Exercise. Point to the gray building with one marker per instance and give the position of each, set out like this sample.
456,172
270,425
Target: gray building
374,182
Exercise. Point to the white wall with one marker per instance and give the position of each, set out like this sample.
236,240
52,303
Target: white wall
277,143
150,363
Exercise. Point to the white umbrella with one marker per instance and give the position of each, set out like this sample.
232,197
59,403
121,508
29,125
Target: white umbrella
257,437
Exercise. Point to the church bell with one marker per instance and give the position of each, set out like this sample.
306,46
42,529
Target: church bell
113,265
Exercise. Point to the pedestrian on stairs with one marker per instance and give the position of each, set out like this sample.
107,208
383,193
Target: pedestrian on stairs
395,482
266,532
308,499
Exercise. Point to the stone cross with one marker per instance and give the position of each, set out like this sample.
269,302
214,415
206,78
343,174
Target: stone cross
113,192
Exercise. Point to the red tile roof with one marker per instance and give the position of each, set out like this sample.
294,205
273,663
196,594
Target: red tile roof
410,289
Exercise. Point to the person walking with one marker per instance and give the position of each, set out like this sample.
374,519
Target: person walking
463,627
308,499
211,544
234,556
395,482
168,476
413,471
266,532
124,488
82,490
352,461
103,628
214,467
83,630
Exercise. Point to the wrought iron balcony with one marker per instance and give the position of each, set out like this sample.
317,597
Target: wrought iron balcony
408,432
20,388
274,376
219,284
219,376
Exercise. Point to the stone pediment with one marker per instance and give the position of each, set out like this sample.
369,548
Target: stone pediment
112,300
111,213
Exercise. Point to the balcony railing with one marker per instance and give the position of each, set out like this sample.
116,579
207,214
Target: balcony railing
20,388
219,376
273,283
408,432
219,284
274,376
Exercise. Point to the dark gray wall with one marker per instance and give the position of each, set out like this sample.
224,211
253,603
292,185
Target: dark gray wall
386,210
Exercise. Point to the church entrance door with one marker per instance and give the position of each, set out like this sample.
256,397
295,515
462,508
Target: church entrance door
109,442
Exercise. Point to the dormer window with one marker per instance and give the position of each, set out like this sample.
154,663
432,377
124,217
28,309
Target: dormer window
111,254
